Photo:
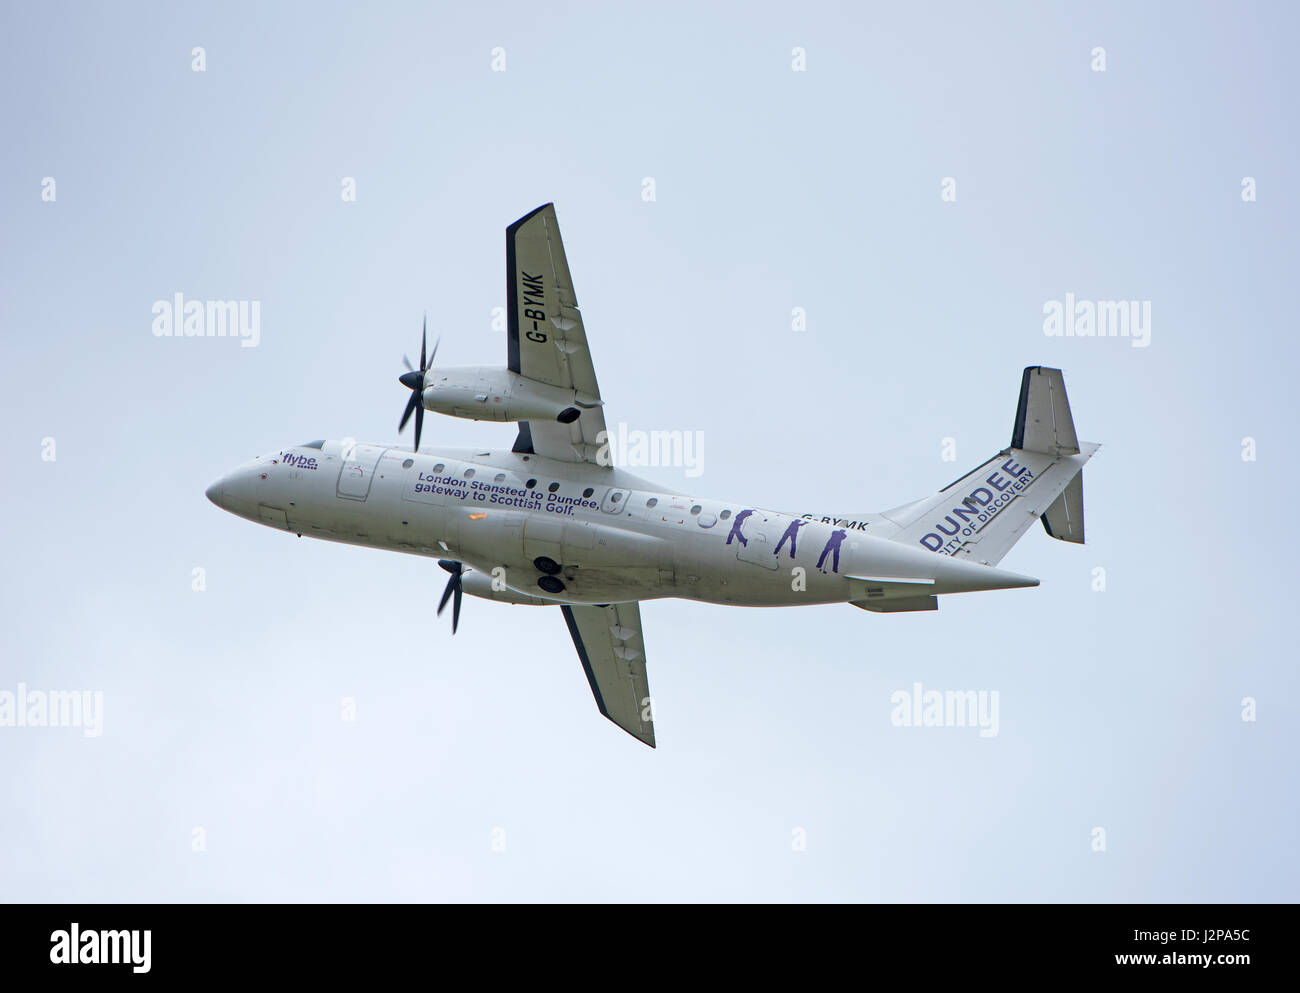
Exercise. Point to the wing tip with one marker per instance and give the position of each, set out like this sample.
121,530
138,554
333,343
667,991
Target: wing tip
528,216
648,739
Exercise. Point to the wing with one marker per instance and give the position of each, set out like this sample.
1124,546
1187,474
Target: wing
546,340
612,652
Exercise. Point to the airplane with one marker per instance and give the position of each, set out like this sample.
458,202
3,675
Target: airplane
552,522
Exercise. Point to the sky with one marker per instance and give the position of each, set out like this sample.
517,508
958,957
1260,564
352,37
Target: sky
821,238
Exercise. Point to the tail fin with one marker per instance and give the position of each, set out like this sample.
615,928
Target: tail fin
983,514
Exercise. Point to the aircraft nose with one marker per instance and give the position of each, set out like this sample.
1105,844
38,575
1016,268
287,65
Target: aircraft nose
216,493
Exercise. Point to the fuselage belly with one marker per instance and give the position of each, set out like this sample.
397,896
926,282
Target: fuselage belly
617,538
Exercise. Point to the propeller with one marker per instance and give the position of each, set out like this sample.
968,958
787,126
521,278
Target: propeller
413,380
454,585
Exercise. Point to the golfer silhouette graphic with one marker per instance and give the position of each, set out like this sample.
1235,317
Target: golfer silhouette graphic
736,525
836,539
792,532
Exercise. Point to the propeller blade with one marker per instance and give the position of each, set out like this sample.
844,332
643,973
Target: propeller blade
413,380
455,588
411,405
446,593
434,352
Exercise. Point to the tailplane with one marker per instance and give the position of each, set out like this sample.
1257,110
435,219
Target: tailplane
1038,477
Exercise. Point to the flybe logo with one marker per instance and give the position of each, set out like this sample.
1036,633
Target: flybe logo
298,461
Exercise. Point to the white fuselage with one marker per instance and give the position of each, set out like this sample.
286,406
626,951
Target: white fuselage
616,537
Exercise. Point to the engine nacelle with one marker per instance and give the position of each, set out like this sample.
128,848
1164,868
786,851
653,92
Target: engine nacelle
479,584
484,393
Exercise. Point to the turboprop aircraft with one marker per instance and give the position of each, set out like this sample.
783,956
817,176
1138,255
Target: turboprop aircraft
552,523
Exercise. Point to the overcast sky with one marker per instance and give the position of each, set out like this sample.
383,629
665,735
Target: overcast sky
477,767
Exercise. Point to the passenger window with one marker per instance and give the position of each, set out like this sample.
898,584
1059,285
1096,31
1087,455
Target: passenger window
652,502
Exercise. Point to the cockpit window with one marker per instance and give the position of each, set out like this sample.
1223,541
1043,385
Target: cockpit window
314,444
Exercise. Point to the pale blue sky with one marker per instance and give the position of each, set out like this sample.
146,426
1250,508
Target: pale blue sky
775,189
